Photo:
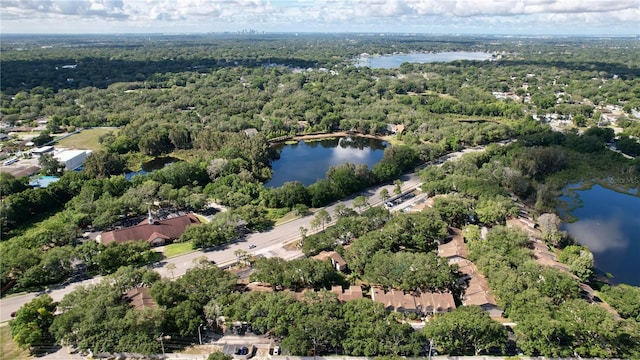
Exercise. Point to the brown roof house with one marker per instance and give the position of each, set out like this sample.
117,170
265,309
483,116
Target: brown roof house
337,261
155,232
352,293
139,298
424,303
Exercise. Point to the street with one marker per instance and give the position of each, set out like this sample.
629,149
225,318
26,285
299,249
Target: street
269,243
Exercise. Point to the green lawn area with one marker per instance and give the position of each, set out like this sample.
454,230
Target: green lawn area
9,350
86,139
177,249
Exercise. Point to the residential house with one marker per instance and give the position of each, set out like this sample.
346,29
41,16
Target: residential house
352,293
395,128
424,303
337,261
477,288
139,298
477,293
155,232
251,132
454,250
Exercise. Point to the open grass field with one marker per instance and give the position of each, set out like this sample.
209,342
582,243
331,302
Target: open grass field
9,350
177,249
86,139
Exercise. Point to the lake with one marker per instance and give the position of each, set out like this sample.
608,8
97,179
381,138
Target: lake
608,222
395,60
150,166
309,161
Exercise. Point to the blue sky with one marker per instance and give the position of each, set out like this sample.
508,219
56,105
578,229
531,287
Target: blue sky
509,17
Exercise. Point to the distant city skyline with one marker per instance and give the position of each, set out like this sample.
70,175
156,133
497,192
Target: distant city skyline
503,17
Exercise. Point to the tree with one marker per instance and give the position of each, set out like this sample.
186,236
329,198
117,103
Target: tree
550,227
49,165
580,261
397,189
103,164
384,195
466,331
171,267
30,327
303,235
360,202
219,356
321,219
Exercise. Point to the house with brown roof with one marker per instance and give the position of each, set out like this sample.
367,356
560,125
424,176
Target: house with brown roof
337,261
424,303
155,232
477,288
455,250
352,293
139,298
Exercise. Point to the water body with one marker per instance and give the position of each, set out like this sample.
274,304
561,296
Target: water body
309,161
394,61
609,224
150,166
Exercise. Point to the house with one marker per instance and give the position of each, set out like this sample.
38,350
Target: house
251,132
155,232
338,262
395,128
424,303
352,293
139,298
477,288
477,293
455,250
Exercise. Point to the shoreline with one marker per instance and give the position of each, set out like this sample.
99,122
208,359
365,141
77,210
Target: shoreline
337,134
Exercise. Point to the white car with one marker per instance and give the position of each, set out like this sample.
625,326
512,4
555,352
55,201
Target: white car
252,246
276,350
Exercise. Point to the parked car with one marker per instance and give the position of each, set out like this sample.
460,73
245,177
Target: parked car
252,246
276,350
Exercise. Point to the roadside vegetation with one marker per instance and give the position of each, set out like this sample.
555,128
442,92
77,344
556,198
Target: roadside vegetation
193,99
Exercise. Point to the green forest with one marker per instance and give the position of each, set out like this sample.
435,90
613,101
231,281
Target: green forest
193,97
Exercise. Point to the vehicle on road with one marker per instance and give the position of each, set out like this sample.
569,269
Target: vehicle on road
252,246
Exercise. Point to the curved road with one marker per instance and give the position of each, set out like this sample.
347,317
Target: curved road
269,244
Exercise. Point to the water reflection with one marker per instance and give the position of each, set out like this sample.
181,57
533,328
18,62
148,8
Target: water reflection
308,162
609,224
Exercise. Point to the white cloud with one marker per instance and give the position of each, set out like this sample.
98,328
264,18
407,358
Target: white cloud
376,15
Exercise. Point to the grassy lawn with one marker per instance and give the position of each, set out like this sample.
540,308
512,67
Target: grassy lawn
177,249
86,139
9,350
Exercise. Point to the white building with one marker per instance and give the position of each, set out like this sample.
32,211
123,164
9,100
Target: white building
72,159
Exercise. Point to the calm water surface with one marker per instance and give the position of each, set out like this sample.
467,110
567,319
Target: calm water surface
609,224
394,61
309,161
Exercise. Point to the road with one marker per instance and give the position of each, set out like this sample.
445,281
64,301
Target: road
269,243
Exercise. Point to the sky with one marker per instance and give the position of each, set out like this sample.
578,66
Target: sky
505,17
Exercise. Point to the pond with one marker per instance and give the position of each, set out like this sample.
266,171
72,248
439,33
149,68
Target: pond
309,161
150,166
395,60
608,222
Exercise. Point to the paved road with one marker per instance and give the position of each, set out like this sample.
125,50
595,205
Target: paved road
269,244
